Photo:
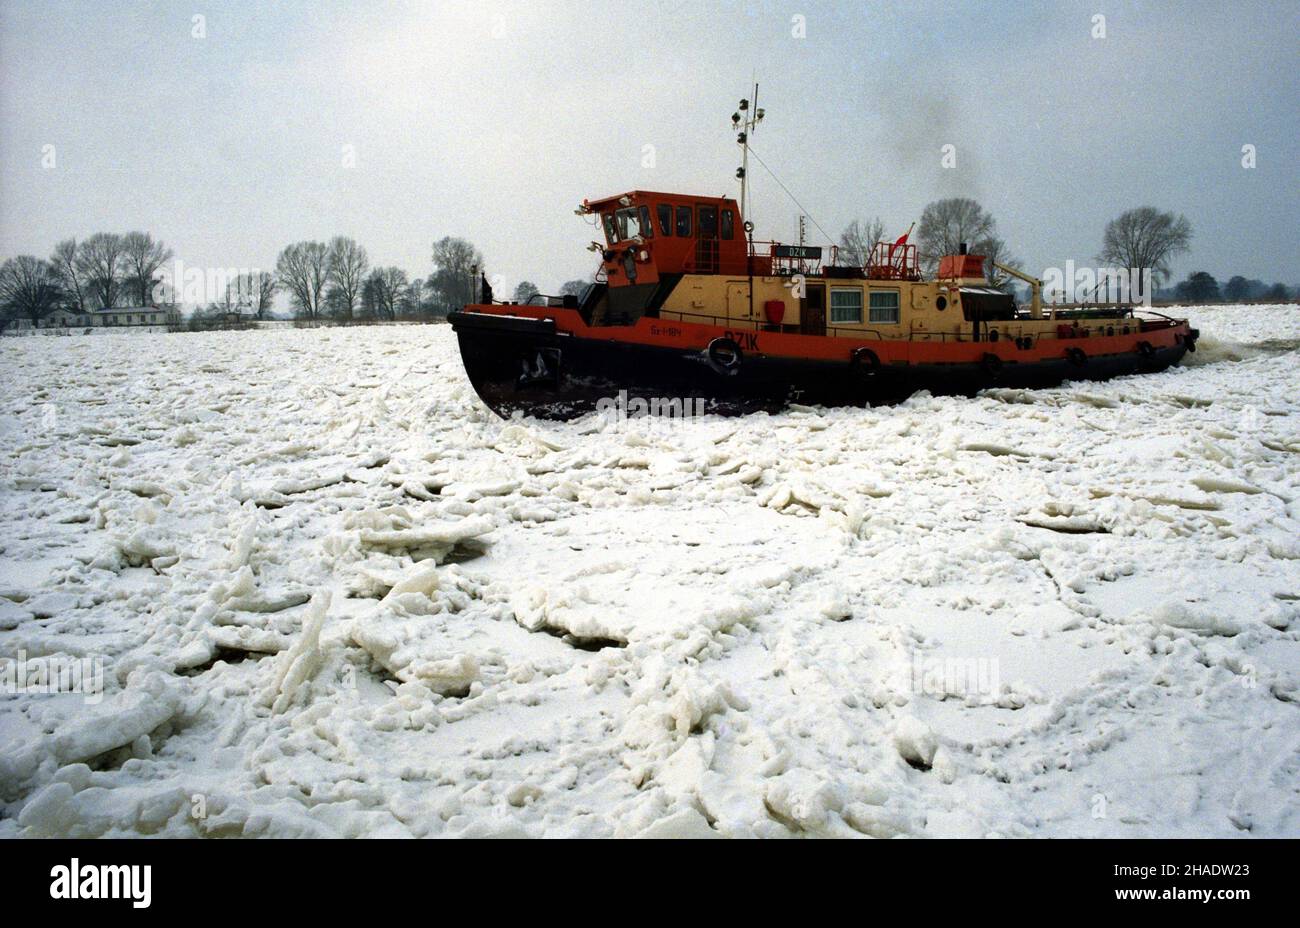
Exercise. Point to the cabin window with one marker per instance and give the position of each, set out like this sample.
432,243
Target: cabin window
846,304
665,219
684,221
884,306
628,223
647,227
609,227
728,224
708,222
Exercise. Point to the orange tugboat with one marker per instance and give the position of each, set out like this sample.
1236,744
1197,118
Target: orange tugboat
687,306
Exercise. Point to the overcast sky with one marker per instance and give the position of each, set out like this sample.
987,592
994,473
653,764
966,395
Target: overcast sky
492,121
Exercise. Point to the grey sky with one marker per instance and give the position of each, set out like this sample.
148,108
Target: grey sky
493,120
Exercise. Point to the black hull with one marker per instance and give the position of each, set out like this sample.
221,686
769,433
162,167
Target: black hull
526,366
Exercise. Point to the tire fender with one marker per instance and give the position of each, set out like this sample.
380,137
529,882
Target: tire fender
724,356
865,361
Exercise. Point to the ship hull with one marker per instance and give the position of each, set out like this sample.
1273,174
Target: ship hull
535,367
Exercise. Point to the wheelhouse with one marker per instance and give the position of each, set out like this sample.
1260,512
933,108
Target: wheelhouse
649,234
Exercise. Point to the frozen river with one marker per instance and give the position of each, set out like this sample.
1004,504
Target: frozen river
328,593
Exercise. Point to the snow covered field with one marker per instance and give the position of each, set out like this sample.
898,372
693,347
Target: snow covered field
1069,612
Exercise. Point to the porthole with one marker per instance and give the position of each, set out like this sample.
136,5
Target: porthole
941,303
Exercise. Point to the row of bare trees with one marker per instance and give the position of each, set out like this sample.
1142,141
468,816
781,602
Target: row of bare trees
335,280
107,269
102,271
321,279
1201,287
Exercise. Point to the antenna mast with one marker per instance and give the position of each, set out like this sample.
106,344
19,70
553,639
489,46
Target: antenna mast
744,121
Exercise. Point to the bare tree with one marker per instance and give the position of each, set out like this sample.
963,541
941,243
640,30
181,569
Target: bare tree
946,225
231,298
64,262
348,264
525,291
1236,289
574,288
303,269
388,289
253,291
370,297
1199,287
260,287
334,304
101,262
412,303
454,261
857,241
1145,238
995,252
29,288
143,256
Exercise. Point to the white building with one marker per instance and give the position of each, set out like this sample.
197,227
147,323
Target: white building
63,321
66,319
123,316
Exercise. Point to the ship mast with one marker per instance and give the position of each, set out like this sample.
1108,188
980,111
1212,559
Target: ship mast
744,121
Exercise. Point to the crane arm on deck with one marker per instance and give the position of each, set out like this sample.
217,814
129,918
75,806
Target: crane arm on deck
1035,290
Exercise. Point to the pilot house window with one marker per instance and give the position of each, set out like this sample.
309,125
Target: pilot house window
684,221
846,305
665,219
884,306
628,221
728,224
647,227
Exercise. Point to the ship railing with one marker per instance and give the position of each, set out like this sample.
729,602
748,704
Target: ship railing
766,258
893,261
1125,308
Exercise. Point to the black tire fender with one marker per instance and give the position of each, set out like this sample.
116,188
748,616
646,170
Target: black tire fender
1146,350
1190,339
865,361
991,365
724,356
1076,356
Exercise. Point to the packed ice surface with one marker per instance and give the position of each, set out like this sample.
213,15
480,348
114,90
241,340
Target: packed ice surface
331,594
